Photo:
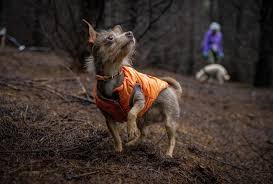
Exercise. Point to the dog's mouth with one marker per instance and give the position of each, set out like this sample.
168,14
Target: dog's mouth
126,49
130,41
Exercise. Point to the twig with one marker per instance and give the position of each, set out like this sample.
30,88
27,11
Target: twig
201,153
70,95
79,82
47,80
254,149
82,175
52,91
82,99
25,114
83,88
9,85
223,162
160,139
46,87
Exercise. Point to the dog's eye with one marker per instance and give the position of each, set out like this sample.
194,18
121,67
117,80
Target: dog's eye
110,38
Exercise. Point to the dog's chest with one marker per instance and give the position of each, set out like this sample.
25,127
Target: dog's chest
106,89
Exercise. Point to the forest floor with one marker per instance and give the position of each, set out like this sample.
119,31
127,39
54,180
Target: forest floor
50,133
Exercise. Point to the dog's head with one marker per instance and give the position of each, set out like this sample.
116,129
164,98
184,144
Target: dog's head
227,77
201,76
111,46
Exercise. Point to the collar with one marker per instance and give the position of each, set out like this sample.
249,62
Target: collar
107,77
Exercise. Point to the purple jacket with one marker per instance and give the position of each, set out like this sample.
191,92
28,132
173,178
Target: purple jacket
210,40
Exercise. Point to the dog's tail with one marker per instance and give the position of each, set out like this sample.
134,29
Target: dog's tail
174,84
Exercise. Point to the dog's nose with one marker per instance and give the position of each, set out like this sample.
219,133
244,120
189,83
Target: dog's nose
129,34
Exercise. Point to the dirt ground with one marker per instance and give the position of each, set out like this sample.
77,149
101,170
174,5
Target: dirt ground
51,133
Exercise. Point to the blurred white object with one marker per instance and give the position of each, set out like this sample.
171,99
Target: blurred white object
4,36
3,31
215,26
21,48
211,72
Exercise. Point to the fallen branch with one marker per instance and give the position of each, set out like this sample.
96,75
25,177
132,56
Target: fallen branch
79,82
46,87
52,91
9,86
70,95
69,177
48,80
199,152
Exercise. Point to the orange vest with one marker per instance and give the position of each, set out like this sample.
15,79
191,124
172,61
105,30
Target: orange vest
118,110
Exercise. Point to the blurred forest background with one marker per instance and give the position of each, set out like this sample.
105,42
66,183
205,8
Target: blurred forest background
169,32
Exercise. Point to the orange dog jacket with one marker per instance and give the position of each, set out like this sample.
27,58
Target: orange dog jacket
118,110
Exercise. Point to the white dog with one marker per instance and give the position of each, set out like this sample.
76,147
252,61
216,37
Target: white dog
213,71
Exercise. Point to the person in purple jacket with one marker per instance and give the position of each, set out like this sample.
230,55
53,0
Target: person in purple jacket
212,44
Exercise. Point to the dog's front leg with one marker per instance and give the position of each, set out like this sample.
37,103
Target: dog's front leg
113,128
138,105
220,78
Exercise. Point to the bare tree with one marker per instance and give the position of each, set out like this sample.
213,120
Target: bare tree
264,66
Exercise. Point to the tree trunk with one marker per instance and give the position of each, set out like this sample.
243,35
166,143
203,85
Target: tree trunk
264,67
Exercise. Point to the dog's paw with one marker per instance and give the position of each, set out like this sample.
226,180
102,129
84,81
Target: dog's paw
169,155
133,133
118,149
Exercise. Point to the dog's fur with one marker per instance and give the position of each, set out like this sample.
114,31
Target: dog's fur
213,71
110,48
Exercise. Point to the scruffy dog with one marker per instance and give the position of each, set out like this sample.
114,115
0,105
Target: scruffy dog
213,71
125,95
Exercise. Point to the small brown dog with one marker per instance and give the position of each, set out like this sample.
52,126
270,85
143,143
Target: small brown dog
123,94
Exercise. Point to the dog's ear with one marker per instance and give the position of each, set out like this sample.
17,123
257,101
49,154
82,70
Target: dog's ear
117,29
92,32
